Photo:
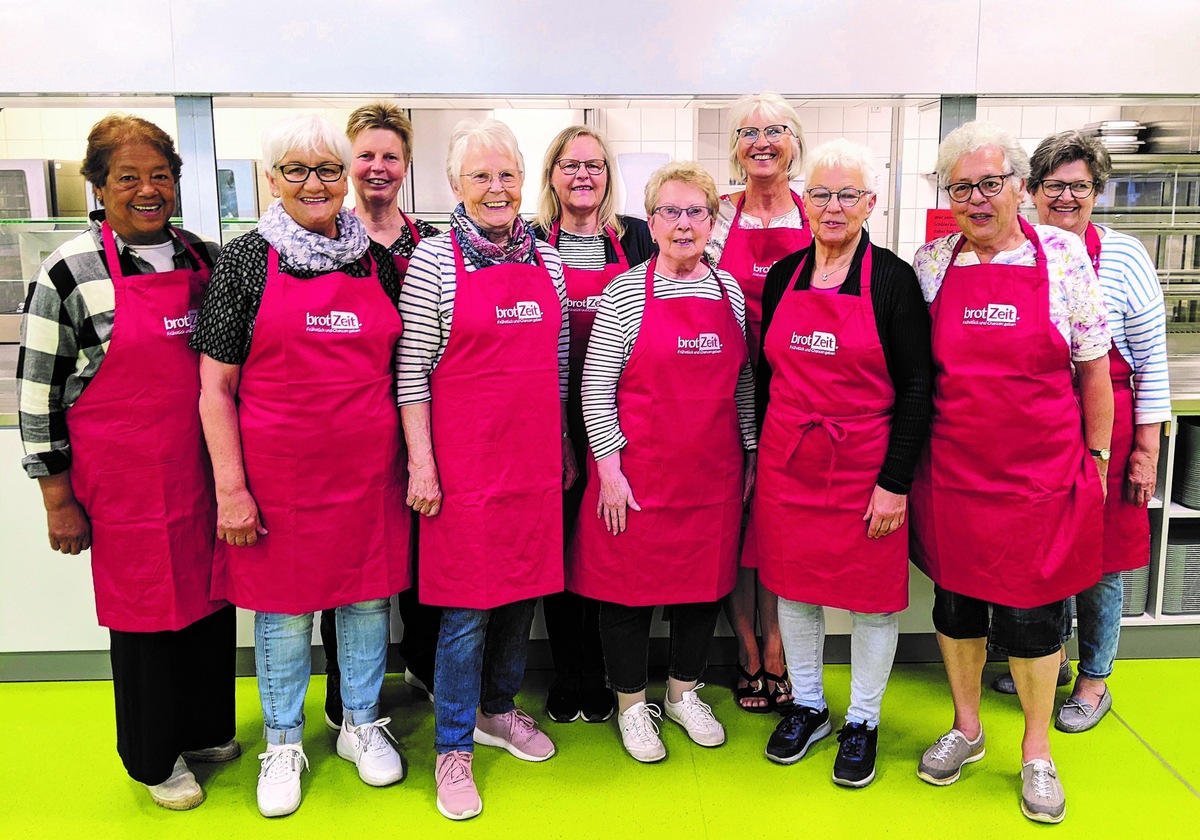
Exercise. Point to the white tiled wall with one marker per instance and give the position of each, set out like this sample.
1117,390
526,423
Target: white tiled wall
61,133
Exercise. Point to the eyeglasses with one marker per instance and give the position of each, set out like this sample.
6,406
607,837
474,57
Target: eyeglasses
507,178
593,167
847,197
297,173
773,133
988,187
671,213
1079,189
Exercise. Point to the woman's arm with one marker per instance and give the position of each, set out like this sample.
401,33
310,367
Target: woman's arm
1096,390
238,521
424,486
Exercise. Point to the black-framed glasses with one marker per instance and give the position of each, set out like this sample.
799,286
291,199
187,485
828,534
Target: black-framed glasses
507,178
773,133
1079,189
593,167
297,173
847,196
988,187
696,213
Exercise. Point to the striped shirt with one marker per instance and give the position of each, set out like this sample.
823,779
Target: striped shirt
65,334
1138,321
724,222
585,253
427,309
618,321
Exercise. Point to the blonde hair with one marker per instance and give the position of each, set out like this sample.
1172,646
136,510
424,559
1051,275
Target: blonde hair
549,208
684,172
382,115
775,111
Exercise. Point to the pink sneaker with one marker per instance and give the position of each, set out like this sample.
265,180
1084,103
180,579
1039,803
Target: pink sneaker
457,796
514,731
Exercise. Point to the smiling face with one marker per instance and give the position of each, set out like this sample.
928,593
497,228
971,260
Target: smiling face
835,226
491,206
378,166
139,194
762,159
582,192
681,242
314,204
1066,211
988,222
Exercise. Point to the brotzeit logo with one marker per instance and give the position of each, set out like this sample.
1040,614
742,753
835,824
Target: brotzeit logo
335,322
761,270
702,345
184,325
818,342
589,304
992,315
523,312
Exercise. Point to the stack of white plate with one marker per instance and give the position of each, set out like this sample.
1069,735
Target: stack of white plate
1120,137
1181,583
1135,587
1186,489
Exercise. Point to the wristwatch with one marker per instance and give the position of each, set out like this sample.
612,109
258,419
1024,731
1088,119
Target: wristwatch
1102,454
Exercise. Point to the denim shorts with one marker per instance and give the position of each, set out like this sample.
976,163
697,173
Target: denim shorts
1010,631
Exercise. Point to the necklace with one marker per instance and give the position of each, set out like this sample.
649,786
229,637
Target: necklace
825,276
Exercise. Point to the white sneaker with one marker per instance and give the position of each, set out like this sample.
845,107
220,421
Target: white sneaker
639,733
372,752
279,779
180,792
696,717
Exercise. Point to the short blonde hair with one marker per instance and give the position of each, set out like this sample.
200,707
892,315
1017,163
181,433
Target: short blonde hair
776,111
304,133
549,208
683,172
382,115
469,134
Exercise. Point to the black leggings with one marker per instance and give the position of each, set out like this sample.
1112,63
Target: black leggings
625,632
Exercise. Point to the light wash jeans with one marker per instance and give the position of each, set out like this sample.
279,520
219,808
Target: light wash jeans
873,638
1099,612
480,662
282,657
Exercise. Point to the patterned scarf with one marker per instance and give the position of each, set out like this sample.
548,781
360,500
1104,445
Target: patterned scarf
301,248
483,252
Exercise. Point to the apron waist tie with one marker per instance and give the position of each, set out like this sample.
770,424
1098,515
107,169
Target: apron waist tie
836,432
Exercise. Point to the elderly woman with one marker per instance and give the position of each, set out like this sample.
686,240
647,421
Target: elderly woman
483,385
381,138
668,398
111,433
1008,522
577,215
753,230
1068,171
844,397
299,333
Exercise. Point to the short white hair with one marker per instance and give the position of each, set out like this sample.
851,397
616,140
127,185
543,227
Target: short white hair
973,136
469,135
842,154
775,111
304,133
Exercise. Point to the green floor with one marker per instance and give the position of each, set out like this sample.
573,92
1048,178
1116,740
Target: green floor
1136,775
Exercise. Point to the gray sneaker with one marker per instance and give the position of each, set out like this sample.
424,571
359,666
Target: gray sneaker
1042,797
942,763
1078,716
1006,685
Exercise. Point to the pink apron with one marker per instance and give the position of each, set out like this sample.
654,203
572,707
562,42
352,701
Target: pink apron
402,262
1126,526
139,466
683,461
824,439
1006,503
497,441
322,448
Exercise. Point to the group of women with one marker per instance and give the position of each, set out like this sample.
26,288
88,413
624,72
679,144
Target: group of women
735,398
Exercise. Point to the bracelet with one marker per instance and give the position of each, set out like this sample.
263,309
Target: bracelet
566,435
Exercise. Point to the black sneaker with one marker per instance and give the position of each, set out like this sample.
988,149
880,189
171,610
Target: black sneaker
855,762
597,701
798,731
562,702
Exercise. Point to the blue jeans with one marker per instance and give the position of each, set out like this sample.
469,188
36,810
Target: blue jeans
1099,609
282,657
873,638
480,662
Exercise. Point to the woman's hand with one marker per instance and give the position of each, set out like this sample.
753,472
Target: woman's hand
885,512
1102,470
749,473
238,522
616,497
424,488
1141,476
570,466
70,530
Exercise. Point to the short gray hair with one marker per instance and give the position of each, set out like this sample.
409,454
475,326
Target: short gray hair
842,154
1068,147
470,134
684,172
973,136
775,110
304,133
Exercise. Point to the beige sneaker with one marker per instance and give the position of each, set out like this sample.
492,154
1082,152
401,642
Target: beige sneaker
180,792
1042,797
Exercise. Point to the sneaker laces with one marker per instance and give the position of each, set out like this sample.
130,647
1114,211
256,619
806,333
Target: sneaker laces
795,721
455,769
371,736
854,741
944,747
1042,779
521,722
696,709
640,725
281,763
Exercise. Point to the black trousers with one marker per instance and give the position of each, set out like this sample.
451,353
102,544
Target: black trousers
625,632
174,691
